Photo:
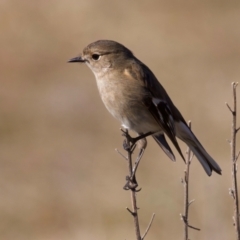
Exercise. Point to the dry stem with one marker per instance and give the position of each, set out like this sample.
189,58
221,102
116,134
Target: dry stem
132,183
234,190
185,182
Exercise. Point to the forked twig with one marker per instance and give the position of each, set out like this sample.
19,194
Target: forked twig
183,218
134,212
131,184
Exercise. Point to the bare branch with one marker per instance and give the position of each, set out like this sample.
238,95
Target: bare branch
149,226
121,154
191,202
137,161
185,181
132,213
229,107
183,218
131,181
191,158
237,129
237,156
233,191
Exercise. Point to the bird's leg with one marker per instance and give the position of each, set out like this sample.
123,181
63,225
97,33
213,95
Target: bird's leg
137,162
142,136
131,184
129,145
131,181
132,140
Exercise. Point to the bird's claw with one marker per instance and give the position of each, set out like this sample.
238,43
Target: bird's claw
126,146
131,184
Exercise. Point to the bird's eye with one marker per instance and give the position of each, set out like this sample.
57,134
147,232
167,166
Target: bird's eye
96,57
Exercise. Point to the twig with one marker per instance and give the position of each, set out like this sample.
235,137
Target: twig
229,108
186,223
185,182
237,129
133,212
237,156
149,226
132,182
191,202
121,154
130,211
234,190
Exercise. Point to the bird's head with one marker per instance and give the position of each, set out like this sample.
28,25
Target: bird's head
102,55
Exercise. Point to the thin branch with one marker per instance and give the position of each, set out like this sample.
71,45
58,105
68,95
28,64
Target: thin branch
133,212
129,145
229,107
234,189
237,156
139,157
191,202
237,129
149,226
121,154
183,218
185,181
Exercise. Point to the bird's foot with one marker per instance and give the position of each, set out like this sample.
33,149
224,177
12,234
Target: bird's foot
131,184
129,143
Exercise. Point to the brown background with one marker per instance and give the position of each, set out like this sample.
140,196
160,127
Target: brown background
60,177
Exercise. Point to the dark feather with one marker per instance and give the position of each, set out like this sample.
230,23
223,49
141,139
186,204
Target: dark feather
163,115
162,142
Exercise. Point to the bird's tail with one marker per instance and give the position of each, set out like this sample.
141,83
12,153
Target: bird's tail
185,134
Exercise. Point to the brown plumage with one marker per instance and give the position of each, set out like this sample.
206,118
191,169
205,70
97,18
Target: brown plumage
134,96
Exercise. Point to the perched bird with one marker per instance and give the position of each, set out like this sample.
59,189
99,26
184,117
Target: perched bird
134,96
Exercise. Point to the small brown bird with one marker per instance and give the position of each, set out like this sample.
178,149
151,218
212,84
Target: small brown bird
134,96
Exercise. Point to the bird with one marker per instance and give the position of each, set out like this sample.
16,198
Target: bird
132,94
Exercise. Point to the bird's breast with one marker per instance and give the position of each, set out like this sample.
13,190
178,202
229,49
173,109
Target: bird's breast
112,94
124,100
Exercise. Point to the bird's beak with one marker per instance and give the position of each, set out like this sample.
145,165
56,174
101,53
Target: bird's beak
77,59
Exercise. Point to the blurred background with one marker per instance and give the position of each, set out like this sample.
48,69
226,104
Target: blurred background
60,177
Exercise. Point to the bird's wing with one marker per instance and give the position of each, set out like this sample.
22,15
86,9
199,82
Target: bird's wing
162,142
157,101
168,117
